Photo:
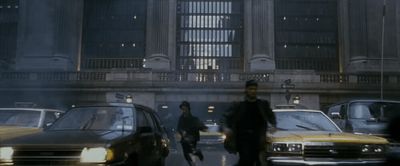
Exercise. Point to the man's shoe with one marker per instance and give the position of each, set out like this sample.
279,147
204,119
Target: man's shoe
199,154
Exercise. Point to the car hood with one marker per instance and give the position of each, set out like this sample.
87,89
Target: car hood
71,138
210,133
8,132
322,136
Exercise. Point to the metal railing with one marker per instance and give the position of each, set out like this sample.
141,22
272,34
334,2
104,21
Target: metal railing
210,76
205,76
53,76
334,78
112,63
371,79
15,75
318,64
213,63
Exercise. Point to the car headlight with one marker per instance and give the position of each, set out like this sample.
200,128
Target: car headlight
96,155
6,154
372,149
223,136
287,147
165,143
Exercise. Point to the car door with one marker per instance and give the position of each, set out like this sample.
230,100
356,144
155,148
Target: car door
158,135
161,135
338,115
50,117
147,139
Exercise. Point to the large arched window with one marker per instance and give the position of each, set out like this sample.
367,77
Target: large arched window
306,35
114,34
209,34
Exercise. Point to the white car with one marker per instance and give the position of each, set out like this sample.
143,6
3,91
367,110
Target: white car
212,136
16,122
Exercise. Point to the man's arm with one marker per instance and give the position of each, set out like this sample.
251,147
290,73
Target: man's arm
270,114
201,126
228,117
179,127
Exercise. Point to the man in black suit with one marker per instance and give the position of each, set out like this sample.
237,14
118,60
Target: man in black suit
245,124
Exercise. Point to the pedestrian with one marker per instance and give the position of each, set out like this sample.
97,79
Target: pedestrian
245,125
392,131
188,129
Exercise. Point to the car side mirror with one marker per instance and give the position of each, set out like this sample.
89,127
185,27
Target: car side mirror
145,129
336,115
48,124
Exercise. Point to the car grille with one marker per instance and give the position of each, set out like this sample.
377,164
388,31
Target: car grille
332,151
210,139
46,156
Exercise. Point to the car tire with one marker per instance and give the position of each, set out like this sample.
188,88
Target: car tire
164,152
131,161
160,162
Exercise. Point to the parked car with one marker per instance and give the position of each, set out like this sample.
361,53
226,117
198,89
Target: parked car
364,116
309,137
290,106
16,122
101,135
213,136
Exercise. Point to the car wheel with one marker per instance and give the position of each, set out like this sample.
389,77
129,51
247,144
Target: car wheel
164,152
160,162
131,161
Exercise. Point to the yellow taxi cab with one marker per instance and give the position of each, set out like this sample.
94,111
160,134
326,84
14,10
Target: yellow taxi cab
309,137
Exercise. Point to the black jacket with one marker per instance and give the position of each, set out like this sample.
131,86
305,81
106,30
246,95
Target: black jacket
232,116
189,127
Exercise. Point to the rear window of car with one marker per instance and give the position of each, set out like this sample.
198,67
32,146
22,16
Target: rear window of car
97,118
21,118
373,110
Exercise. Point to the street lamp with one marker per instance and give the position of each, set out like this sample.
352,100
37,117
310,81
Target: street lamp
128,99
210,109
287,84
296,100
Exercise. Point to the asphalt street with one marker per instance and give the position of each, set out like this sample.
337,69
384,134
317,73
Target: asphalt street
213,156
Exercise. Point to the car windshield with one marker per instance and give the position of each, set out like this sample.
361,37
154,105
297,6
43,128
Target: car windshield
304,121
22,118
97,118
373,110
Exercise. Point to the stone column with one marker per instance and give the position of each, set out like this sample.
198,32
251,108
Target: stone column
172,33
343,34
365,34
398,31
262,58
157,36
248,29
391,60
357,34
49,35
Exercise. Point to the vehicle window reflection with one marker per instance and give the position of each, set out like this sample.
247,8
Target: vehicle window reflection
19,118
304,121
101,118
373,110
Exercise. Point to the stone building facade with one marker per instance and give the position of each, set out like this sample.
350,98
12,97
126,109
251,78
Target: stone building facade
200,43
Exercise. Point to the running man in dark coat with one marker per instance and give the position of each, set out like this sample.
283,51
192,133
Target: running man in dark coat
188,129
245,124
